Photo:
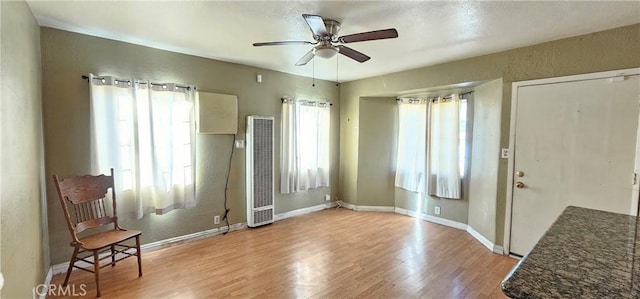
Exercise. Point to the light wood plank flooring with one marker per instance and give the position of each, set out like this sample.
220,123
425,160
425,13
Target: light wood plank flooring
333,253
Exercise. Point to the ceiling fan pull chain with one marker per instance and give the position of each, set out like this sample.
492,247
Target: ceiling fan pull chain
337,82
313,73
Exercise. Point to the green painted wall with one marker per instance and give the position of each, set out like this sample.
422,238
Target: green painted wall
485,149
24,248
378,130
608,50
66,56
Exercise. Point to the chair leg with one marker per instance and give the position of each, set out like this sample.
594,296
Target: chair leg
138,254
96,269
71,263
113,255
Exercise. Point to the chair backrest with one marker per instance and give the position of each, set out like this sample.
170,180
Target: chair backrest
85,197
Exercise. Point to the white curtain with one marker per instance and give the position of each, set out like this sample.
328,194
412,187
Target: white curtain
444,141
304,163
410,160
145,132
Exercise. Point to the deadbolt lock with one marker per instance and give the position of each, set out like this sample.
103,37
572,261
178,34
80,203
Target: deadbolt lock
519,174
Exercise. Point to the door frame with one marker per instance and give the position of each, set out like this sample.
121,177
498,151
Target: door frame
512,135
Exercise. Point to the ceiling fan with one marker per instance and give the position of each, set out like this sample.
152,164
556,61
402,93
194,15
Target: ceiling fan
325,35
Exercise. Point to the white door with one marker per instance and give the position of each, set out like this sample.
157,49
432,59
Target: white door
575,144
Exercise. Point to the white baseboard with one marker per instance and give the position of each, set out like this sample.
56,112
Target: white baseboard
406,212
493,247
434,219
190,237
386,209
484,241
47,279
59,268
443,221
303,211
347,205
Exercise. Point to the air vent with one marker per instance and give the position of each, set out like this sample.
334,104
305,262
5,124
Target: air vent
260,171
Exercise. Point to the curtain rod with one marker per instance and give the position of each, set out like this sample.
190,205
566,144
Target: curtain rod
465,93
410,100
284,99
444,97
85,77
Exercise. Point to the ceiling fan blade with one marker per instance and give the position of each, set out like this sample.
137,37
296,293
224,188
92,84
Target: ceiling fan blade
283,43
371,35
316,23
306,58
353,54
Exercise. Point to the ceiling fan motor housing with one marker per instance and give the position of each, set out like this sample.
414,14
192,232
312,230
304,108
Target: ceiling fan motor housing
333,27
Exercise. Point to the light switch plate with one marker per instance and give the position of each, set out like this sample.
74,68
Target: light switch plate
239,143
504,153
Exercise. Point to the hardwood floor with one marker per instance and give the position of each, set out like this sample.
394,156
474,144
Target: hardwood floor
327,254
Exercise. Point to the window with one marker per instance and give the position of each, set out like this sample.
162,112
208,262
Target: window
439,143
304,162
462,142
447,146
412,132
125,124
146,133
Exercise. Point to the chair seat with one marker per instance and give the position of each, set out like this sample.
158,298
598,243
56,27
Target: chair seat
107,238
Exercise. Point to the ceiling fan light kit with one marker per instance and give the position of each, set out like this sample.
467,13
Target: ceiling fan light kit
325,34
325,51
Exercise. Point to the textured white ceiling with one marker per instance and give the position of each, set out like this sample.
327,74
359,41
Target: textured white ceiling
430,32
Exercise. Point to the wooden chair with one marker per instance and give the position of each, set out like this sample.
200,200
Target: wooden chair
84,197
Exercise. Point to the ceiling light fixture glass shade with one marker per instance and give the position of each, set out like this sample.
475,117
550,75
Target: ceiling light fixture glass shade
325,51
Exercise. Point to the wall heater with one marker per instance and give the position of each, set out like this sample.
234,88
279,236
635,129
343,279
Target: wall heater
260,171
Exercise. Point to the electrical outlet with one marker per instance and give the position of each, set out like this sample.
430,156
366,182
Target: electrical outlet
327,197
437,210
216,219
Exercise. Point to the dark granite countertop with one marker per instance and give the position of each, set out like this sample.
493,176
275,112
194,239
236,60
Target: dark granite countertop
585,254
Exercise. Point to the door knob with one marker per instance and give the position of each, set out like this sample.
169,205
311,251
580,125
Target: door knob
520,173
519,185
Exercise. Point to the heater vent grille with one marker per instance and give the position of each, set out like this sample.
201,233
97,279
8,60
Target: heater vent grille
260,180
263,163
263,216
